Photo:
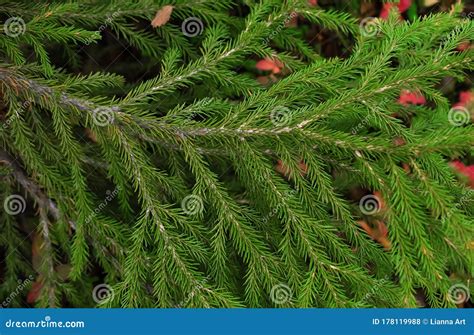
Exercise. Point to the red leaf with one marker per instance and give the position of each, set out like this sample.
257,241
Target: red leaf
465,98
414,98
265,65
34,292
387,7
382,235
464,46
402,7
366,227
467,171
284,170
378,232
162,16
268,64
380,200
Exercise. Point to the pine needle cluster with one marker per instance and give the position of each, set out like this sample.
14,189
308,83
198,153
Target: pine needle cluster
164,191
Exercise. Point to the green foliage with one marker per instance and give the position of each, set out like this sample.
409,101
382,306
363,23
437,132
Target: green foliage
166,188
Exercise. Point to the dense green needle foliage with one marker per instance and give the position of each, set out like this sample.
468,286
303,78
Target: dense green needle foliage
164,189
